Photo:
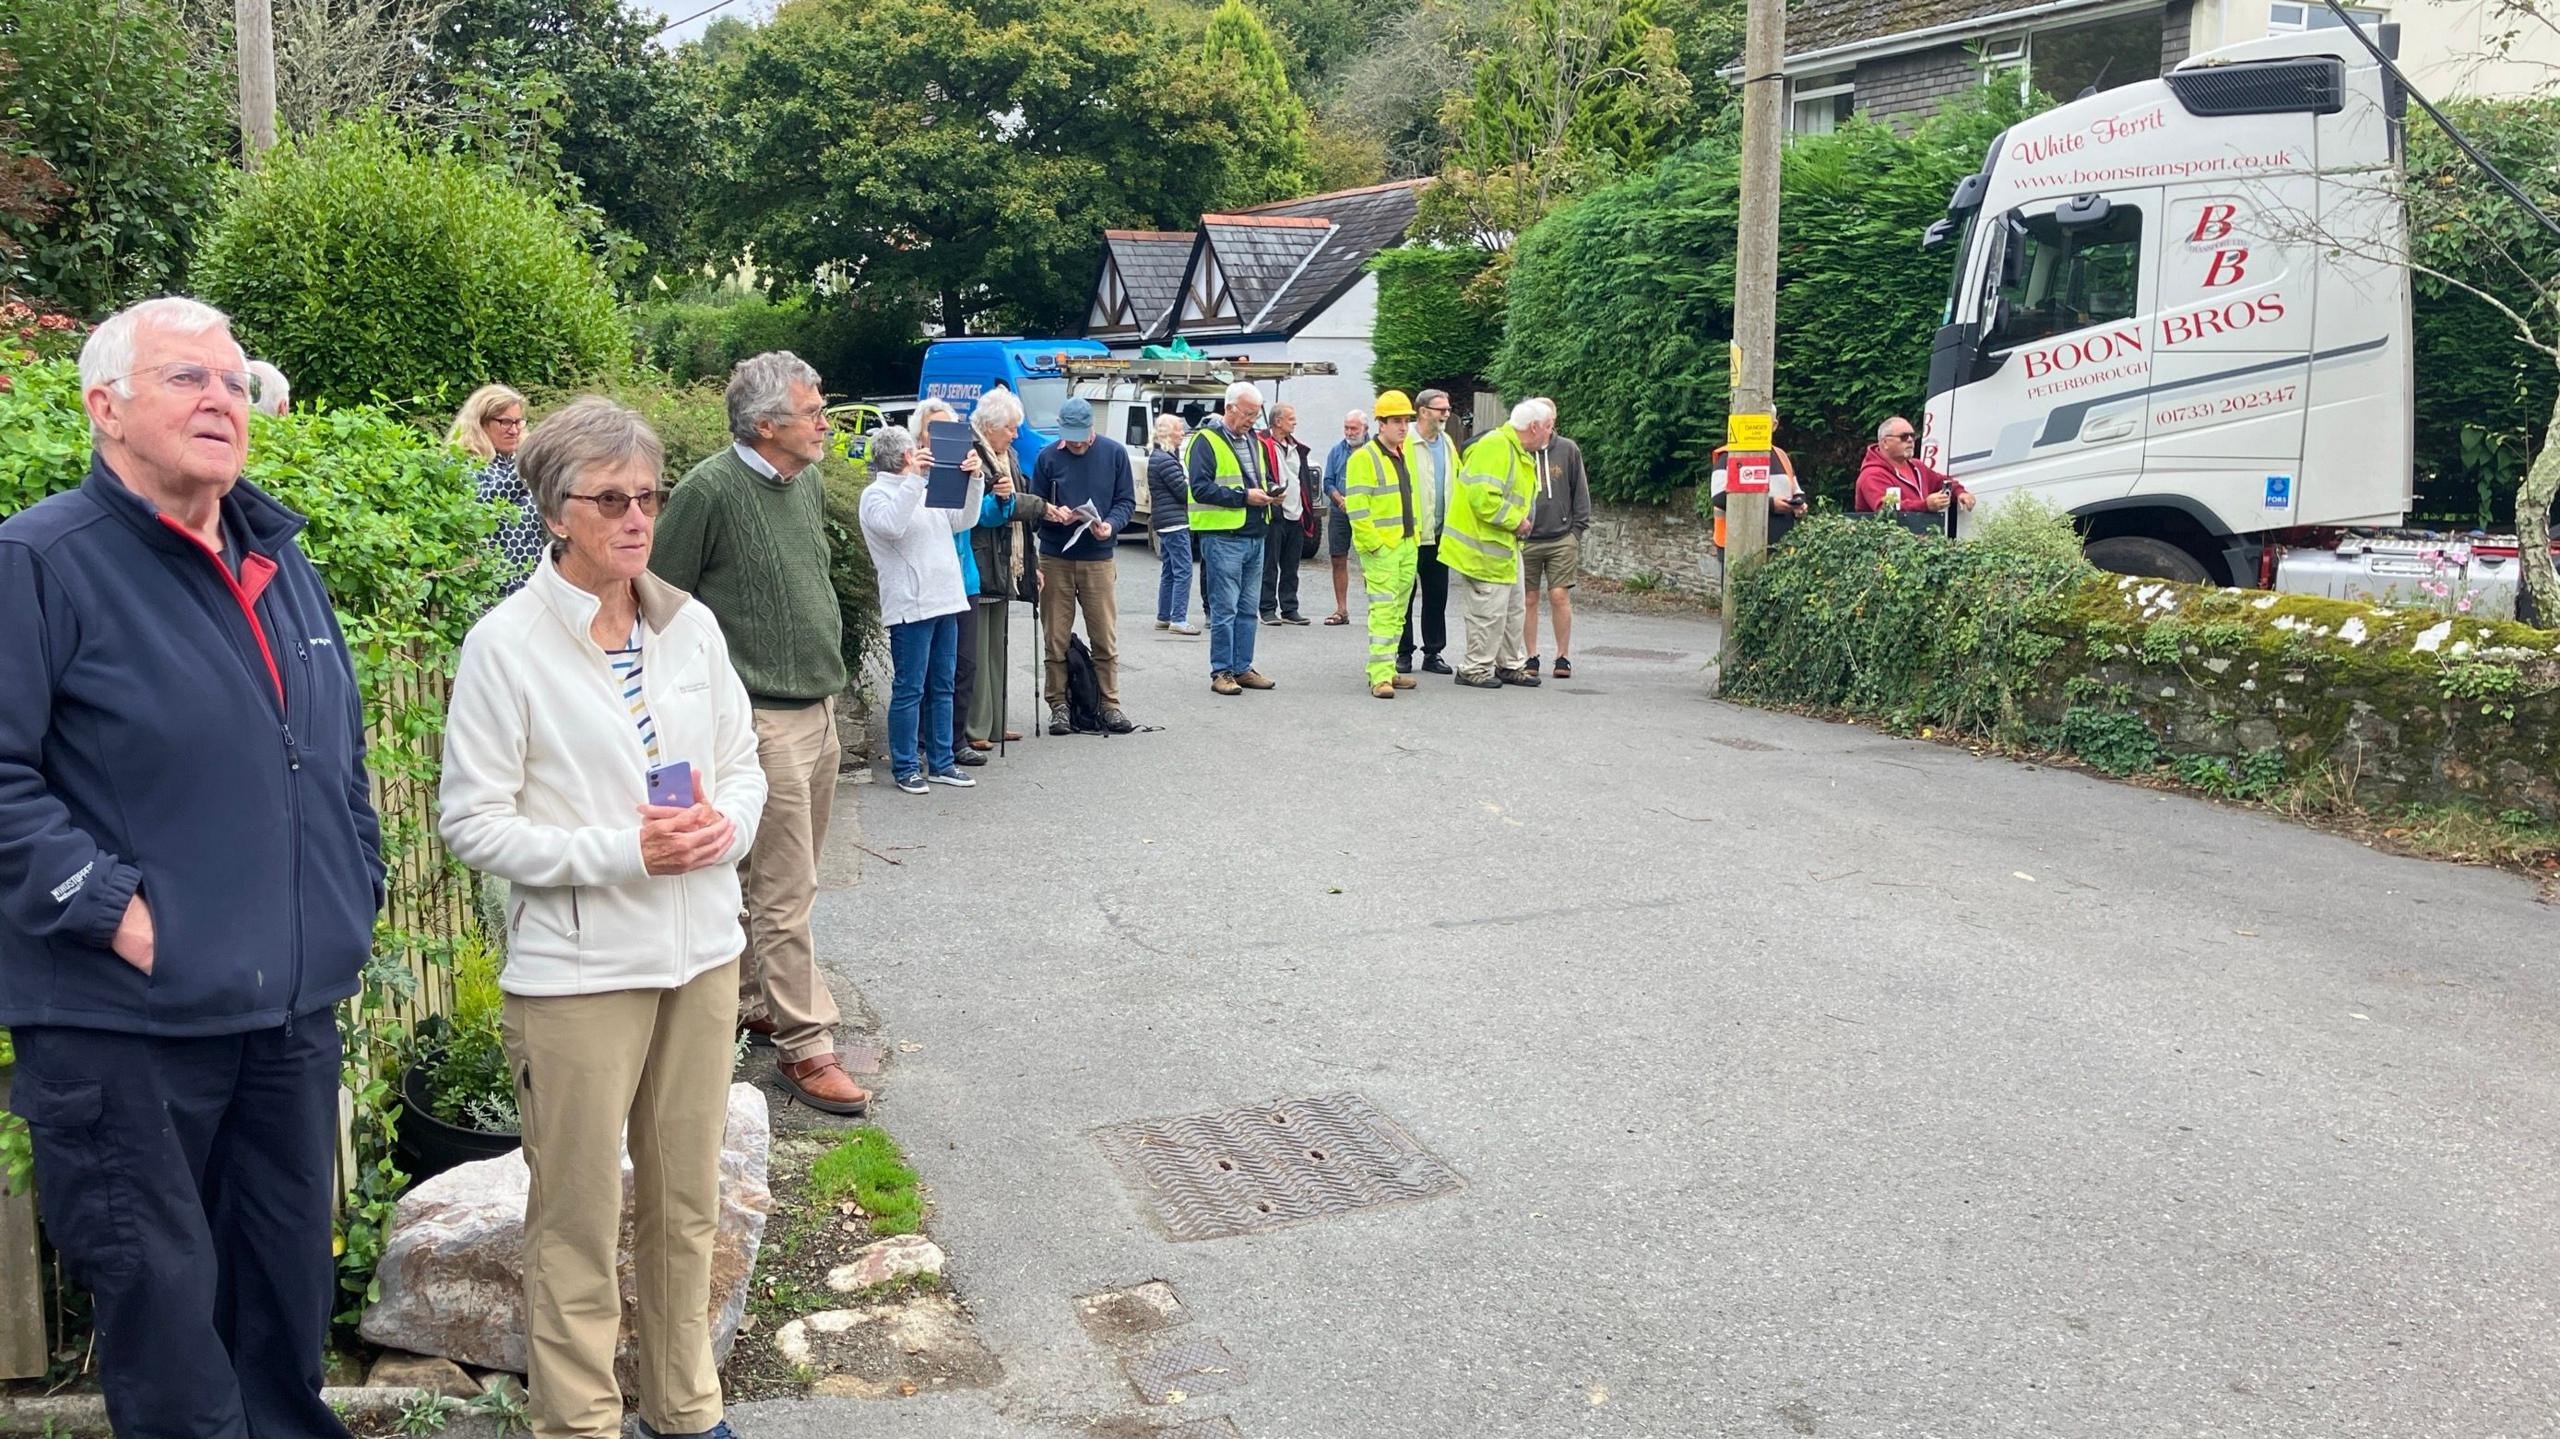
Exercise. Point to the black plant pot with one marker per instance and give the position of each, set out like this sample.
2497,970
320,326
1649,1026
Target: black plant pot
429,1146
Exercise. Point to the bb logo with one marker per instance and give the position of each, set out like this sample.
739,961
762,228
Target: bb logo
2227,268
2213,222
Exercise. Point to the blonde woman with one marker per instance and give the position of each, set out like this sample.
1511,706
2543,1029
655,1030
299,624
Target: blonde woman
489,428
1169,516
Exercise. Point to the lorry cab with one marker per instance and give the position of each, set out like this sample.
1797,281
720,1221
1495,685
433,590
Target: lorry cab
962,370
2179,310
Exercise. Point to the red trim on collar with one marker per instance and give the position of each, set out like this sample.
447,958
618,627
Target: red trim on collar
255,572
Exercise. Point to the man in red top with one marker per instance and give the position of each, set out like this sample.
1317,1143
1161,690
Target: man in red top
1891,466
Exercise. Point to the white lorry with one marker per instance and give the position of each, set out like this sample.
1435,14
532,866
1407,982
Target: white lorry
1128,394
2179,313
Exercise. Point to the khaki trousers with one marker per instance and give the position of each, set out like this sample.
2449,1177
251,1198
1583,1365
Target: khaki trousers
588,1067
1067,586
780,978
1494,616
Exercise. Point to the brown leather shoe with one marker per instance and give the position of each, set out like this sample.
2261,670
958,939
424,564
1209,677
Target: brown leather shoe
821,1083
1255,680
982,745
1404,682
758,1030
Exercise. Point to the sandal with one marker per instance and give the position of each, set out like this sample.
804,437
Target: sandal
1563,669
1337,618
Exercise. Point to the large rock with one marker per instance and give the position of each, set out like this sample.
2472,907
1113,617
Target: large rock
452,1271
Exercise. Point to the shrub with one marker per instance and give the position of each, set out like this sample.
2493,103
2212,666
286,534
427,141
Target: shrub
468,1077
117,137
1439,317
369,266
872,346
1620,305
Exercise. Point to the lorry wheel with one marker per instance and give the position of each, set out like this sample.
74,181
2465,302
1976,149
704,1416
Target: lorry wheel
2147,557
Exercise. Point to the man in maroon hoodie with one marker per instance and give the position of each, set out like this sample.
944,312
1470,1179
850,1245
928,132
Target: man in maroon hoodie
1891,467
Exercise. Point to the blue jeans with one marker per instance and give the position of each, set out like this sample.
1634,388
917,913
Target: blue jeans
1173,581
924,658
1234,562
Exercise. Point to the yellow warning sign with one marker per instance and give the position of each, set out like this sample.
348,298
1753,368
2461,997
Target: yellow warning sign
1750,432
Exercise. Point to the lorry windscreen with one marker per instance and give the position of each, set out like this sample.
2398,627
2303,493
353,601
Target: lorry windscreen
1040,401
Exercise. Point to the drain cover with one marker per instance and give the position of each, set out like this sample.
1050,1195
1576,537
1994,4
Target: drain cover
1242,1171
1753,745
1171,1373
1621,652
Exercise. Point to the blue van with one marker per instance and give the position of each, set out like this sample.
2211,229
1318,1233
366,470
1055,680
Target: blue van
961,370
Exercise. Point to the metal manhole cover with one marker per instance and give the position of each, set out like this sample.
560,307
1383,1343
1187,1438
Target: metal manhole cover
1618,652
1243,1171
1753,745
1171,1373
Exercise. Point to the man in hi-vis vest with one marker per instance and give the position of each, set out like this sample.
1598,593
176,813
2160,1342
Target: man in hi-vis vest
1378,496
1481,541
1233,470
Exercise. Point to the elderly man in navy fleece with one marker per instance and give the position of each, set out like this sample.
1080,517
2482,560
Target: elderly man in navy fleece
1082,476
189,870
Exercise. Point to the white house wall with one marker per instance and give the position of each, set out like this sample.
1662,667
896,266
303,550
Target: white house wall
2443,44
1340,333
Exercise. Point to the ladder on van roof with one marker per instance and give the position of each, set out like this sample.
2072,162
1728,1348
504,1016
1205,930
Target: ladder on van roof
1220,370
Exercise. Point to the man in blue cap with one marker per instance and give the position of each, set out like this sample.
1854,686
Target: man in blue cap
1091,491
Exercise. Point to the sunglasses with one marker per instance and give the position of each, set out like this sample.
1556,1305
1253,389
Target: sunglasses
614,504
1900,435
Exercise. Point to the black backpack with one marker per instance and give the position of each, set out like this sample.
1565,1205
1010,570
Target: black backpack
1084,692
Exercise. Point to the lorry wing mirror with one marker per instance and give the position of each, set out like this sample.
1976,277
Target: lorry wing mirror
1937,233
1996,322
2082,210
1968,194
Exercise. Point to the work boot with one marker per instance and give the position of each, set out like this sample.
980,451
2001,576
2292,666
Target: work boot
1059,723
1405,682
1255,680
821,1083
1523,678
1224,683
1382,690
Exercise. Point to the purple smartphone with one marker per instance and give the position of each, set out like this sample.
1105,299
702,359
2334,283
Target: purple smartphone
671,785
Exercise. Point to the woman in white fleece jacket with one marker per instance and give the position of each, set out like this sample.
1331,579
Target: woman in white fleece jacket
622,927
921,597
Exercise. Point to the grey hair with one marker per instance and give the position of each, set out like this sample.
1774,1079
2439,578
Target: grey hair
1170,421
891,447
1532,411
1423,400
928,411
1361,415
995,409
1241,391
1283,410
108,357
593,432
1888,423
760,389
275,393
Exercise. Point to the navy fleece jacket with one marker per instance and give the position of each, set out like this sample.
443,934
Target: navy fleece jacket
171,728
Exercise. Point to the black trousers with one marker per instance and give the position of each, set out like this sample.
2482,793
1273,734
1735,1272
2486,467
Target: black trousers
186,1184
1283,546
964,678
1431,596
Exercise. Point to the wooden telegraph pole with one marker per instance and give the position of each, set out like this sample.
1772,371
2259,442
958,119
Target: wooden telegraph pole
1748,430
255,23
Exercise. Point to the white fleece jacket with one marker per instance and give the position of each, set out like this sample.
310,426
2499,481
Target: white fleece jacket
912,550
544,773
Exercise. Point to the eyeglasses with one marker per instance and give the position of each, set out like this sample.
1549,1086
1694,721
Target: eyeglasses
614,504
181,377
1435,409
1900,435
515,424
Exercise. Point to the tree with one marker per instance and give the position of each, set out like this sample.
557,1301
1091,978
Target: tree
1271,160
968,151
117,141
1396,90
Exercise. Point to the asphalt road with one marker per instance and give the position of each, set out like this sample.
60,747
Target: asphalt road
1802,1080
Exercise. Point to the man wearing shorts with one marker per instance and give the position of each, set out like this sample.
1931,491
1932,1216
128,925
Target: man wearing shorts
1337,533
1551,555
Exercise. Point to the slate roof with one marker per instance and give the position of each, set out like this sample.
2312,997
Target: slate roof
1284,262
1151,264
1814,25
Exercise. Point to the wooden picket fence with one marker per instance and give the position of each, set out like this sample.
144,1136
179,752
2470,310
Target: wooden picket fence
427,897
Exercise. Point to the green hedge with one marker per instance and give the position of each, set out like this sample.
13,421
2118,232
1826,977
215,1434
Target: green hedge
368,266
870,348
1439,318
2012,638
1620,304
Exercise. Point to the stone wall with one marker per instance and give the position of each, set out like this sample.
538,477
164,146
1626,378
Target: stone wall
1670,542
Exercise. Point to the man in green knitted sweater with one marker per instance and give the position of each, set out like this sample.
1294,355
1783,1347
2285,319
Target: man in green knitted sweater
746,534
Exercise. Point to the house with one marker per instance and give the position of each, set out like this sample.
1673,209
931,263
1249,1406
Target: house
1283,281
1900,59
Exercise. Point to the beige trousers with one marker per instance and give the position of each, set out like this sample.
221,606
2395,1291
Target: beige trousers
1090,586
588,1067
1494,616
779,978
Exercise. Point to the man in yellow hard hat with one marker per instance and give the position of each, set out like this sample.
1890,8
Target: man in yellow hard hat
1378,495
